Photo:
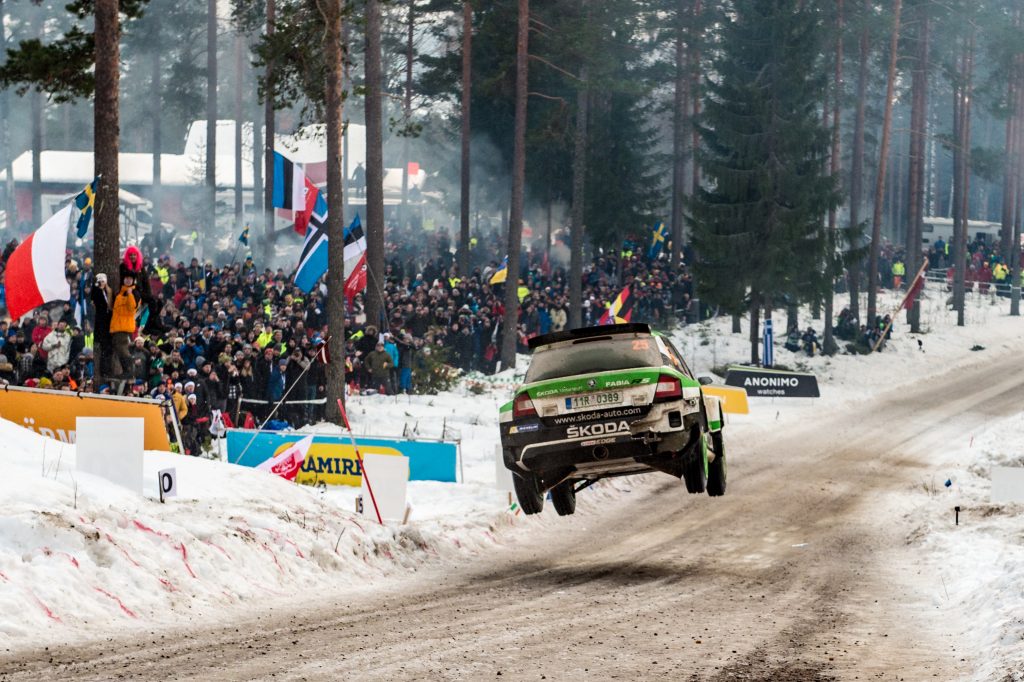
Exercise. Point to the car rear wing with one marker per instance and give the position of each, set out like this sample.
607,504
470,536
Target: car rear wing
589,332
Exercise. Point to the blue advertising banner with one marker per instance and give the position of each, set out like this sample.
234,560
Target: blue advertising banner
332,460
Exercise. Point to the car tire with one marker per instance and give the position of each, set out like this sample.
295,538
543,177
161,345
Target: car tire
695,473
717,468
563,498
528,492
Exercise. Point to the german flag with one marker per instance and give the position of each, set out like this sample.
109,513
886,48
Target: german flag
620,310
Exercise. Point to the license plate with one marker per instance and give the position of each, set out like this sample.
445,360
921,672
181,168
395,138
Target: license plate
592,400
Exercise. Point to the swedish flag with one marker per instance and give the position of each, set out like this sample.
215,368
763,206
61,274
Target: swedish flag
501,274
658,235
244,237
85,201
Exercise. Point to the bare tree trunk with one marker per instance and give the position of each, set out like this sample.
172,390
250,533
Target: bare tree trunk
679,141
257,168
464,179
211,110
269,87
5,131
857,166
736,329
1015,145
239,85
515,228
156,100
407,111
579,176
828,343
918,123
374,165
106,134
883,153
36,99
965,170
1017,186
695,72
331,10
1009,193
755,328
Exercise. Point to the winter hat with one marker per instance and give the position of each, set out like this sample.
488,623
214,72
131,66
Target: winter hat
190,384
192,398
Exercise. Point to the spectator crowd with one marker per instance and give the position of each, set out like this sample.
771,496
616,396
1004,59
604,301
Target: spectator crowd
222,344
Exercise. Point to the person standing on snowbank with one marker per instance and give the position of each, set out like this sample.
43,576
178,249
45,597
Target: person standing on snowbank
122,326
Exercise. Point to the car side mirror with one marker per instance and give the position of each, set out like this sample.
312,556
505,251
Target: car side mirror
704,381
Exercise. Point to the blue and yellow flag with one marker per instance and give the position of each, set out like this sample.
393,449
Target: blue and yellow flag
85,201
244,237
658,235
501,274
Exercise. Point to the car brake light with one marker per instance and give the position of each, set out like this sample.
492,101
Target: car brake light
668,388
523,407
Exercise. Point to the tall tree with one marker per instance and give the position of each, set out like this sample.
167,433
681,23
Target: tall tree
211,110
832,262
918,132
962,94
510,323
579,175
757,223
374,89
857,161
270,93
332,14
681,92
883,157
239,123
465,136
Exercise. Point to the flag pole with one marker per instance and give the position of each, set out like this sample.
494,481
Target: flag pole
903,303
272,413
359,457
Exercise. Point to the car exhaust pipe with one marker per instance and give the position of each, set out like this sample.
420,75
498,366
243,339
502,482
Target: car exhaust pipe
600,452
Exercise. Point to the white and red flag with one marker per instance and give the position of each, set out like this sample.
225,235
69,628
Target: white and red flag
355,283
35,271
287,464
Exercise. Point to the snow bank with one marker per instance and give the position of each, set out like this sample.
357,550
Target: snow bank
80,557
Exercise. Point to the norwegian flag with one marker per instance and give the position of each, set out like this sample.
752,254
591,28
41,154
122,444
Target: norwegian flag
287,464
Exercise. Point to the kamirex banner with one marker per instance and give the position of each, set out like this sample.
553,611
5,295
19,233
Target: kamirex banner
772,383
53,413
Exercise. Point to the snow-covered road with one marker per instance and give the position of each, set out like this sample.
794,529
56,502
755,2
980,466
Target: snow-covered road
807,569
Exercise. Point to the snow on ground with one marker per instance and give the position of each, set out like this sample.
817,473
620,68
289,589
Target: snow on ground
81,557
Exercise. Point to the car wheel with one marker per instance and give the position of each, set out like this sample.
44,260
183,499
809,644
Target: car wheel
695,467
528,492
716,469
563,497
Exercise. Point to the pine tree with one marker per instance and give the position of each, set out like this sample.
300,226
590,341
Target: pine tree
757,221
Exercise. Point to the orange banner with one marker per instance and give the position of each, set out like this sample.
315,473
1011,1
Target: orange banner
53,413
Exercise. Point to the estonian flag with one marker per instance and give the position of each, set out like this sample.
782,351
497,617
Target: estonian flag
84,202
289,184
620,310
502,273
658,235
244,237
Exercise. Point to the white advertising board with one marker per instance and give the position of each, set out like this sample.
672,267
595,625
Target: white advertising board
111,447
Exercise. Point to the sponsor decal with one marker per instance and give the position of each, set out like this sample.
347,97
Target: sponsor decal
598,441
591,383
524,428
598,416
600,429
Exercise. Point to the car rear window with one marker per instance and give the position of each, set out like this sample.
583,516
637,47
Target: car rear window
594,355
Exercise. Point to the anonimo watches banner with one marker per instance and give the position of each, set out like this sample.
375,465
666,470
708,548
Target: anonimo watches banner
771,383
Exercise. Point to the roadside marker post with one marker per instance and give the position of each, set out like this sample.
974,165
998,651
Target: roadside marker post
359,457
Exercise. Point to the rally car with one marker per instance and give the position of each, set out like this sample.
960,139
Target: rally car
609,401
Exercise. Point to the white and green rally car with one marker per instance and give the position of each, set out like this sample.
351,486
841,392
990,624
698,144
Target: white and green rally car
609,401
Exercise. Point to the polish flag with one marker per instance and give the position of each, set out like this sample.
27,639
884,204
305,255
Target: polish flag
35,271
287,464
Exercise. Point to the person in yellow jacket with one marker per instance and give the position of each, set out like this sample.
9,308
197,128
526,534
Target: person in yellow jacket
180,404
899,270
122,326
